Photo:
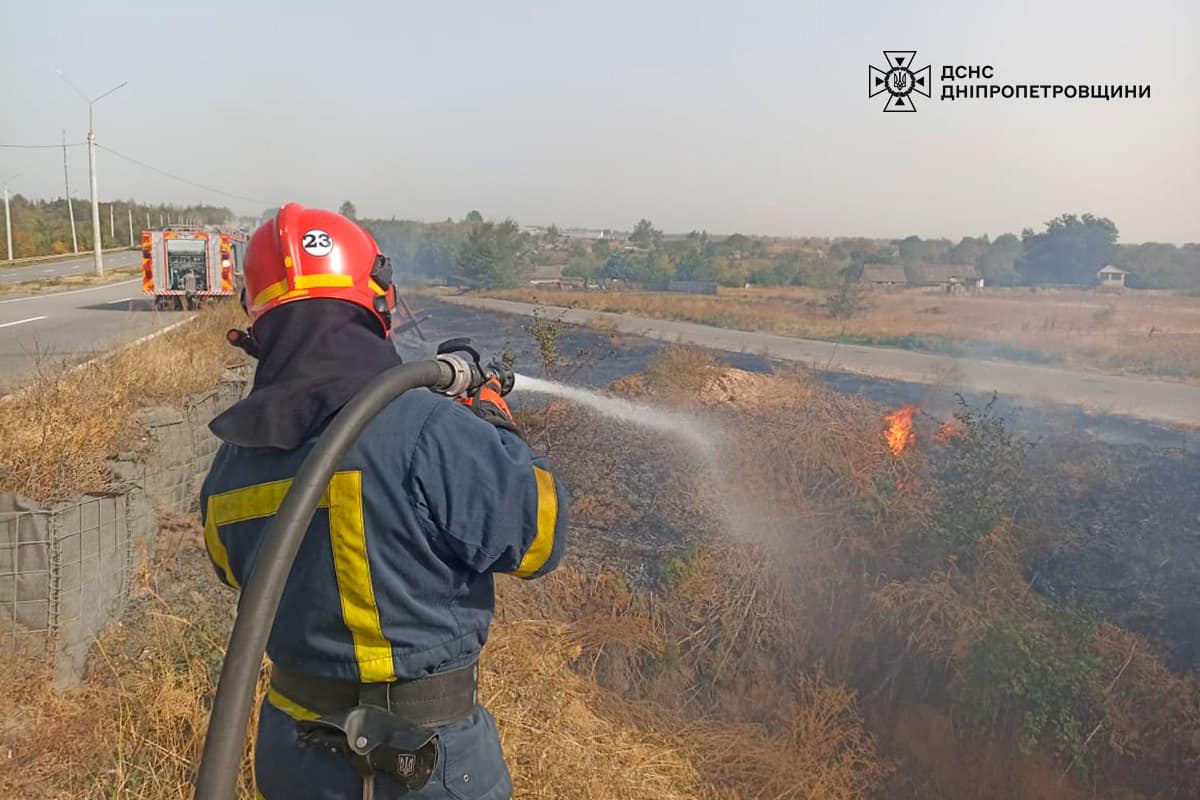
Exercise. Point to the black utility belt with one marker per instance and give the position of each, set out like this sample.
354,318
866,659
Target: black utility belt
429,702
381,727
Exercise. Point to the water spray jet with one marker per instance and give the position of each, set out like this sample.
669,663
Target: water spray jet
675,423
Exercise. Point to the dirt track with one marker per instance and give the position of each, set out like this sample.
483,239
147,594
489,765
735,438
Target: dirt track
1143,398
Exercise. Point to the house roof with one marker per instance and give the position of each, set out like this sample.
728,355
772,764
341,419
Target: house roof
946,273
883,273
1111,270
546,271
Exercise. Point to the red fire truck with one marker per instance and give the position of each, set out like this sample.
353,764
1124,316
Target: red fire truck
182,267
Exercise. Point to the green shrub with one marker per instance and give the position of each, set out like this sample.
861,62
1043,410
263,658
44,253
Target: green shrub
982,479
1041,676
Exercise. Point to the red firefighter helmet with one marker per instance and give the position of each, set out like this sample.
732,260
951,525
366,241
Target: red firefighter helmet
307,252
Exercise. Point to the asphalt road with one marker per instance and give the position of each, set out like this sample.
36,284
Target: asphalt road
1141,398
72,265
47,329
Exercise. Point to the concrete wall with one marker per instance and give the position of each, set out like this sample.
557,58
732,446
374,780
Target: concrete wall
65,569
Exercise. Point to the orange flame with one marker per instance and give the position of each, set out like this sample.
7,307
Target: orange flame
900,434
950,429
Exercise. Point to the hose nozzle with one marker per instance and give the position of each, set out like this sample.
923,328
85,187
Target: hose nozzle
464,370
460,375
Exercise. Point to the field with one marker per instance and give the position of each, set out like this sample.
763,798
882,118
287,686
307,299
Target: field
835,601
1150,333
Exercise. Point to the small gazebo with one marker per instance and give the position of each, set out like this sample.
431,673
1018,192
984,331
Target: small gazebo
1111,277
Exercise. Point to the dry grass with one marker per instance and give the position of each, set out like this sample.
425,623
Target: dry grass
69,281
823,564
1149,712
134,728
563,736
733,680
603,507
58,432
1153,333
623,671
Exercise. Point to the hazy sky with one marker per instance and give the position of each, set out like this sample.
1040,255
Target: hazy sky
748,117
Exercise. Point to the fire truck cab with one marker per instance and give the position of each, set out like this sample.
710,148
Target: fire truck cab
182,267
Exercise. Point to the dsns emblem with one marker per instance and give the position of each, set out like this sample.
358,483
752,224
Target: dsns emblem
900,80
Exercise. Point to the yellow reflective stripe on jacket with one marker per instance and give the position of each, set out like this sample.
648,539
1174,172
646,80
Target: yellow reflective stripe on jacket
348,542
547,518
289,706
350,563
239,505
216,548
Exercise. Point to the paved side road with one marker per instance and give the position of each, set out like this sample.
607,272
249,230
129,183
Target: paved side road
42,330
1142,398
69,265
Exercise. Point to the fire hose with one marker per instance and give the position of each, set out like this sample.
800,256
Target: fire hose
455,371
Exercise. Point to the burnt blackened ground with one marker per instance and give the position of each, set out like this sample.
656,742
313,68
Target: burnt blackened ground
589,358
1137,557
1133,505
595,358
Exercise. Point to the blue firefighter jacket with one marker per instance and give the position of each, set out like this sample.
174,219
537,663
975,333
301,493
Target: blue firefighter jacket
394,577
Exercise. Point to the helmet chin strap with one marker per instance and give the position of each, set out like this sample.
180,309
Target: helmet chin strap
244,341
381,273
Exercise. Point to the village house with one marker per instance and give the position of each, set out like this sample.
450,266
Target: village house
884,275
950,277
1111,277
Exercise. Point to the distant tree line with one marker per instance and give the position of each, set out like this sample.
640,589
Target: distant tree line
479,253
43,227
1069,251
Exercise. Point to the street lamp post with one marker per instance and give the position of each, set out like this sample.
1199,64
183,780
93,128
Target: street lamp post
67,189
8,216
97,256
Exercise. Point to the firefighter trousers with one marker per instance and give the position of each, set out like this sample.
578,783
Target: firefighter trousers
470,765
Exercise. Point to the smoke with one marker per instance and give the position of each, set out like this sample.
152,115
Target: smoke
740,519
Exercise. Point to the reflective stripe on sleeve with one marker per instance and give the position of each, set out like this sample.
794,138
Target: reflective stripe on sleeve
547,518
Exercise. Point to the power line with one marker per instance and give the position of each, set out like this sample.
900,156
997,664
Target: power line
172,176
42,146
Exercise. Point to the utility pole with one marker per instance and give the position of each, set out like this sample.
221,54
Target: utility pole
97,256
7,215
67,189
112,224
7,221
131,226
147,220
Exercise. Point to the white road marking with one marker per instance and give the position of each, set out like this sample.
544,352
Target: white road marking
111,302
122,348
22,321
73,291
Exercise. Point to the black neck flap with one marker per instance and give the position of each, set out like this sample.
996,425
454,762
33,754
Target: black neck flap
314,356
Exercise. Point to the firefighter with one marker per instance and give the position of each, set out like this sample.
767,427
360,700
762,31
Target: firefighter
387,607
